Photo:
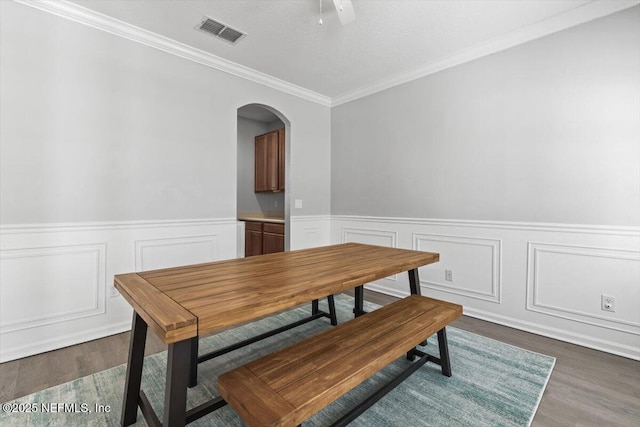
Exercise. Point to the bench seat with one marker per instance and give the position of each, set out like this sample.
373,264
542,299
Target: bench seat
289,386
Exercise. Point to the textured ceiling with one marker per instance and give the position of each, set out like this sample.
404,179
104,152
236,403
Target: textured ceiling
387,38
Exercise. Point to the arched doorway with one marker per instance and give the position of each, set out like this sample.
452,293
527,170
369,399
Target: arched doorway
253,200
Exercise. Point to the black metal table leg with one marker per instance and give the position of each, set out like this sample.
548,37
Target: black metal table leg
411,354
175,397
315,308
134,370
414,282
193,364
332,310
358,310
445,363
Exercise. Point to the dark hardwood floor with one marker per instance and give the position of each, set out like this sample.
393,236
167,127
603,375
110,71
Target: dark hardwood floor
587,387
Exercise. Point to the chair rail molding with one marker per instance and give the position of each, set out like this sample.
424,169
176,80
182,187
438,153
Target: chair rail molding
611,230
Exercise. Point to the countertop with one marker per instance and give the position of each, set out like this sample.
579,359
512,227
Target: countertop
258,218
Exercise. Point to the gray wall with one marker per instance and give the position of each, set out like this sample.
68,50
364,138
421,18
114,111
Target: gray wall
547,131
96,127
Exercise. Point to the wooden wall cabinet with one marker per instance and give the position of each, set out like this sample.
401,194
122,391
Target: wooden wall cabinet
263,238
281,163
270,162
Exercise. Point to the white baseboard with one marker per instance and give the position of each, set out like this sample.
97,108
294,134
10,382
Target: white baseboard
66,340
562,335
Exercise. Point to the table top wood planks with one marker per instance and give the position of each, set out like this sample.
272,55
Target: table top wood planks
183,302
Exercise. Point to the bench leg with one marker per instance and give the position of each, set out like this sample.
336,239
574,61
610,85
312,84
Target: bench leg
445,363
315,307
134,370
414,286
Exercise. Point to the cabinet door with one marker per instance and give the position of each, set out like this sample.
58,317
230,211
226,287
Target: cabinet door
266,162
272,238
281,162
272,242
252,239
252,243
272,161
261,164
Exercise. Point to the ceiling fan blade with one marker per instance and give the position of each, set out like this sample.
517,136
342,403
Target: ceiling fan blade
345,11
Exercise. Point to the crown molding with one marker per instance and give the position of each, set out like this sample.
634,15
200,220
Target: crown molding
76,13
577,16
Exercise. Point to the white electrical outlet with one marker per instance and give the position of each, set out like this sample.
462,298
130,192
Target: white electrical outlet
298,204
608,303
113,292
448,275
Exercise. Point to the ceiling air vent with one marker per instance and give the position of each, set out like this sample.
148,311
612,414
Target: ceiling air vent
220,30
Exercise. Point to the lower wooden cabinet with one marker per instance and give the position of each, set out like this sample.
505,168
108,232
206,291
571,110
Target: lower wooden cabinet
263,238
272,238
252,238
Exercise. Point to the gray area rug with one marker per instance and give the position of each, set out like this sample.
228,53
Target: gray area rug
493,384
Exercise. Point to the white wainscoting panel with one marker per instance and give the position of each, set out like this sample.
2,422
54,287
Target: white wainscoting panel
543,278
41,286
474,263
503,274
153,254
309,231
370,237
56,279
553,268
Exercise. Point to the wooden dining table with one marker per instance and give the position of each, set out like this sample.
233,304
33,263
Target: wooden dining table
181,304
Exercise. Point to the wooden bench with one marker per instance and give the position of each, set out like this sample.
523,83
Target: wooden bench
289,386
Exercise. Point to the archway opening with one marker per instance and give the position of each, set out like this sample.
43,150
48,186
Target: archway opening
263,138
